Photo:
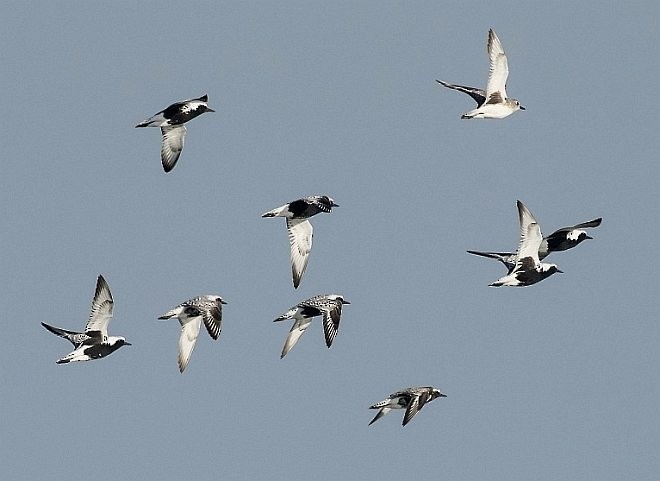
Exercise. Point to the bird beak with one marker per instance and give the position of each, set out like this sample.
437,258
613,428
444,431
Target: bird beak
211,110
560,271
443,395
222,302
522,108
127,344
345,302
588,237
335,205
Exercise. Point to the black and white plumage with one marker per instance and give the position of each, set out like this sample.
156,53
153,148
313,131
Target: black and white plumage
171,122
567,237
560,240
412,399
326,305
492,103
191,314
528,268
300,229
94,343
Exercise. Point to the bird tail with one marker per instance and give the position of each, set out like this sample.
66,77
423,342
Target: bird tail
287,315
157,120
144,123
279,212
169,315
380,404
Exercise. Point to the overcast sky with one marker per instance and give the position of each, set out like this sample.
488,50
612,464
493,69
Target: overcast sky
558,381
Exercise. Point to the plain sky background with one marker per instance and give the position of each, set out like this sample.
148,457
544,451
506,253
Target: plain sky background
558,381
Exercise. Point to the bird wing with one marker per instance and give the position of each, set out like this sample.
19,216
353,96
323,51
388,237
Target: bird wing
506,258
331,323
101,313
478,95
173,138
529,245
583,225
187,339
499,70
500,256
73,337
413,408
296,331
525,218
213,319
300,237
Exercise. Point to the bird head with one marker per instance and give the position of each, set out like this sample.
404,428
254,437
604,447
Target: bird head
436,393
339,298
219,300
118,341
516,104
577,236
552,268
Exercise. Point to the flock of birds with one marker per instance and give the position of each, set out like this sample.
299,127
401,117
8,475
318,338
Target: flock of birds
524,267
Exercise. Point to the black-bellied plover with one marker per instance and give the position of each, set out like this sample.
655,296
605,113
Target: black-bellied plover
492,103
171,122
528,268
326,305
207,308
412,399
94,343
560,240
300,229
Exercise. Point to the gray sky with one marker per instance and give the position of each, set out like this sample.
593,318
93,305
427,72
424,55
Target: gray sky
558,381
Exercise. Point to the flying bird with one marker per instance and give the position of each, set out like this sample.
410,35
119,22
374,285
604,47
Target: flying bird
94,343
560,240
412,399
171,122
326,305
207,308
528,269
300,229
493,103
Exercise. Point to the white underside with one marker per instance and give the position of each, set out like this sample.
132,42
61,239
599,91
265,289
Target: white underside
77,355
490,111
